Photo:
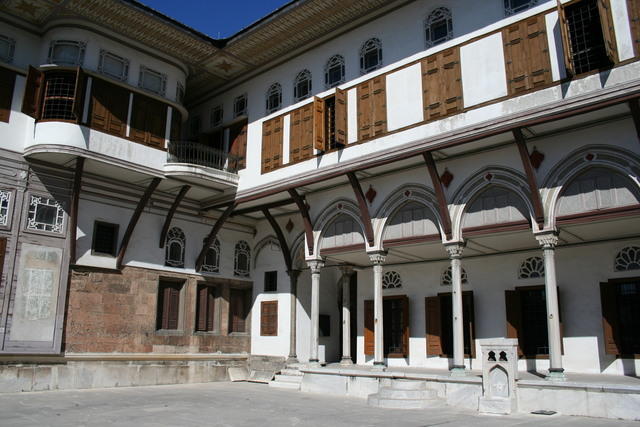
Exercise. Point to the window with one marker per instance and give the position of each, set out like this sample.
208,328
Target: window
446,279
109,108
7,49
148,121
5,202
440,324
620,303
66,52
395,326
274,98
370,55
302,85
531,268
211,262
242,259
438,26
239,306
105,238
240,106
269,318
334,71
152,81
270,281
174,248
113,65
628,259
335,121
45,214
512,7
391,280
59,96
205,308
216,116
168,316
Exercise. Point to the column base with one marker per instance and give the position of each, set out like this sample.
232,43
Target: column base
379,366
556,374
346,361
457,371
314,363
291,360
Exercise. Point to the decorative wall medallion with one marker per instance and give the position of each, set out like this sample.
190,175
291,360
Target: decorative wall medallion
531,268
391,280
589,157
446,177
371,194
407,193
488,176
289,226
446,279
536,158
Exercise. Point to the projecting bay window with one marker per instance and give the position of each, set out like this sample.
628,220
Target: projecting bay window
440,325
54,95
620,302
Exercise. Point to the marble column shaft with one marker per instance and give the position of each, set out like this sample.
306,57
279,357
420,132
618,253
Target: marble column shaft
315,267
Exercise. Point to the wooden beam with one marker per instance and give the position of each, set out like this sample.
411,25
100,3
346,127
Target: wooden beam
134,220
443,207
302,207
283,243
218,206
262,207
172,211
75,198
212,235
536,201
634,105
364,209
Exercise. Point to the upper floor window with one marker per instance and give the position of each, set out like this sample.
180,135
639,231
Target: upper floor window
302,85
179,93
152,80
240,106
174,248
217,114
438,26
628,259
113,65
370,55
5,200
334,71
531,268
242,264
66,52
7,49
274,98
211,262
45,214
391,280
514,6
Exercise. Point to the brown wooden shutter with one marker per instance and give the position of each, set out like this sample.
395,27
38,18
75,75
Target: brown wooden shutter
238,144
608,30
610,328
295,135
633,9
405,325
3,250
442,84
211,302
78,94
138,119
341,117
166,305
267,141
306,140
7,83
156,120
434,327
468,318
365,111
379,95
369,328
277,142
31,102
174,307
99,106
109,108
201,324
513,307
269,318
566,41
318,124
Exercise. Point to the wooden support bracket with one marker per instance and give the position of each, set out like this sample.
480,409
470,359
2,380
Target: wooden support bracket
172,211
443,207
536,201
212,235
364,209
308,228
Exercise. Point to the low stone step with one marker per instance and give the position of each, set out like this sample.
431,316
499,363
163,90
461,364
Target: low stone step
289,378
282,384
374,400
291,371
392,393
407,385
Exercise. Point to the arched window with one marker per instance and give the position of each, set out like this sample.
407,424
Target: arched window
274,98
391,280
446,279
370,55
515,6
438,26
302,85
531,268
334,71
628,259
211,262
174,248
242,259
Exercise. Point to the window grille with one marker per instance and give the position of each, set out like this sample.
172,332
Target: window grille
66,52
59,94
370,55
531,268
216,116
45,214
174,248
512,7
274,98
270,281
211,262
5,200
105,237
240,106
7,49
391,280
334,71
628,259
152,81
585,35
242,258
446,279
113,65
302,85
438,26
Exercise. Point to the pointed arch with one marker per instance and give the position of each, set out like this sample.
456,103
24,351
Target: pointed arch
268,241
298,252
330,214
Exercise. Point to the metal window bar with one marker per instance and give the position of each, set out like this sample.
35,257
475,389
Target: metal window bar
58,96
585,33
203,155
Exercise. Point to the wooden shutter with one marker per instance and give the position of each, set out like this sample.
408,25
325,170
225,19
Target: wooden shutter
156,123
379,96
201,323
138,119
3,250
109,108
99,106
78,94
272,137
238,144
269,318
318,124
610,328
341,117
267,133
527,55
513,307
442,84
608,30
566,41
7,83
306,139
468,318
369,328
31,101
176,125
633,9
295,135
238,309
405,325
434,328
277,142
365,111
211,302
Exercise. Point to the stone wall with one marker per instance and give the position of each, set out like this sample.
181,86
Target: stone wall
113,311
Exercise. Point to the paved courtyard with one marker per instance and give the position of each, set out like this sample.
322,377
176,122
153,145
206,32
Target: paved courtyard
238,404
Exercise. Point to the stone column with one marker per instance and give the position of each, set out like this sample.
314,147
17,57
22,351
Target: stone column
315,267
347,271
549,241
378,330
455,255
293,280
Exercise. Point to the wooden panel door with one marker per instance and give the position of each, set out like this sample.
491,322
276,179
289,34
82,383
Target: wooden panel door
434,327
369,341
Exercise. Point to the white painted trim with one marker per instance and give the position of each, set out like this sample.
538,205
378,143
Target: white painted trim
129,114
87,100
286,138
352,116
167,127
624,39
556,50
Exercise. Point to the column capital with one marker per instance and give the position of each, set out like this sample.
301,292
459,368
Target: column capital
454,249
315,266
347,270
547,239
378,258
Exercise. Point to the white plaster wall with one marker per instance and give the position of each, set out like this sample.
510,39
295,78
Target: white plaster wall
624,39
27,46
483,70
20,127
404,100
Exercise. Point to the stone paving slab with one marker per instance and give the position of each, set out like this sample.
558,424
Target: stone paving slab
240,404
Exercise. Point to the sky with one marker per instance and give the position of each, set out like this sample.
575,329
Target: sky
216,18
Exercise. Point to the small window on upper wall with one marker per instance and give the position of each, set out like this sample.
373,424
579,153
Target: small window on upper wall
113,65
211,262
438,26
105,238
514,6
240,106
334,71
216,117
153,81
274,98
66,52
302,85
370,55
179,93
242,264
7,49
174,248
270,281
